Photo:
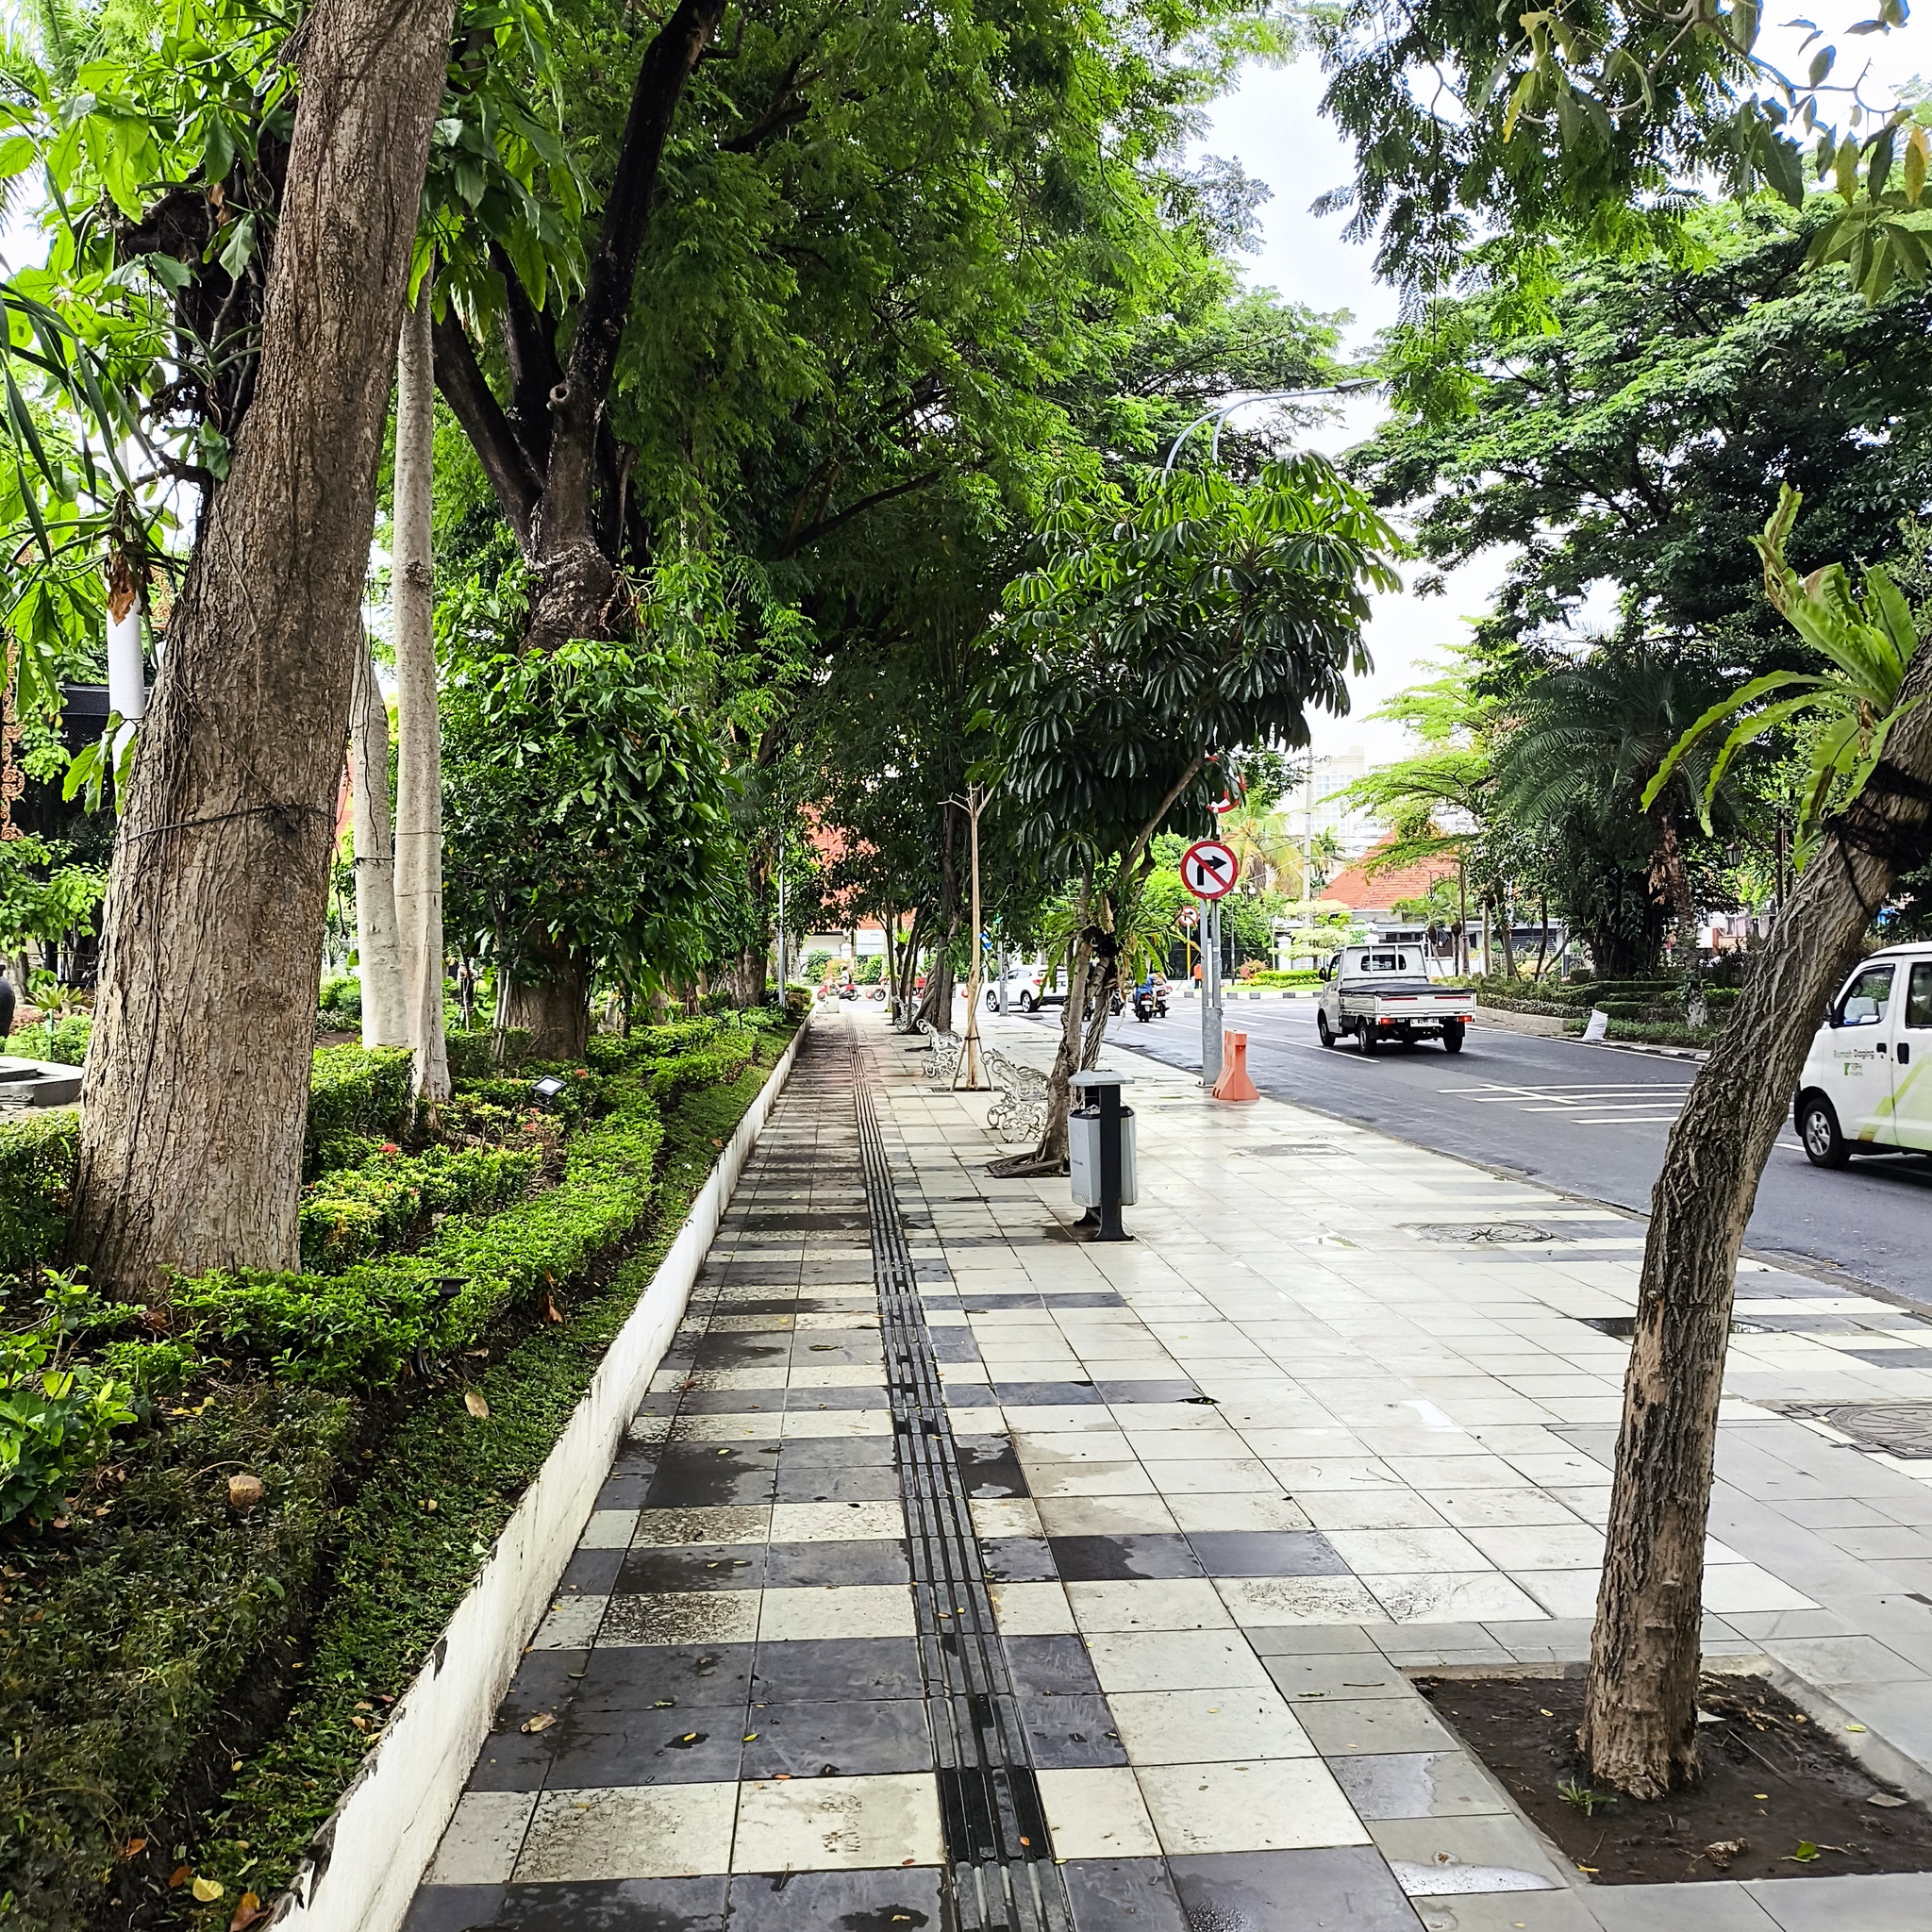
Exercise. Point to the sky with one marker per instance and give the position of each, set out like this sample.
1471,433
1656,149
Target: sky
1273,126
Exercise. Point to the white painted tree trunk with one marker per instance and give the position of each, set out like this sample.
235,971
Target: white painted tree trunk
376,942
419,741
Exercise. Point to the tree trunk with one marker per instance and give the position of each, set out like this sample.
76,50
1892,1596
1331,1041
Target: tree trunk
419,728
1639,1727
194,1102
378,950
553,1005
1507,910
935,1008
903,1012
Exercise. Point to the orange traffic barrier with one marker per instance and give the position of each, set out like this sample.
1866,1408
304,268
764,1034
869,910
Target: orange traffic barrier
1234,1083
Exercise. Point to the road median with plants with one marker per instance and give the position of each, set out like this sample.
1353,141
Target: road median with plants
238,1518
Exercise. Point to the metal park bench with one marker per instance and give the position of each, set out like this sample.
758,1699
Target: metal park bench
1020,1112
946,1048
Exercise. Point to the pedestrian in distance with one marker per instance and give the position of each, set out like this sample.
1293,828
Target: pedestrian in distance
6,1001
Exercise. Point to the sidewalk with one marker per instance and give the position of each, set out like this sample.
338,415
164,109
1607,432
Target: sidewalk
776,1699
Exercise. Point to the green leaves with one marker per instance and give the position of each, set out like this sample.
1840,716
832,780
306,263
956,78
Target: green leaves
1163,633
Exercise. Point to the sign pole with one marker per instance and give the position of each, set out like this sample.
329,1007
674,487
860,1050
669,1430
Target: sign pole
1210,995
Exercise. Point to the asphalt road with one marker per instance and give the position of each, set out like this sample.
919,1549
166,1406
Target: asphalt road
1590,1119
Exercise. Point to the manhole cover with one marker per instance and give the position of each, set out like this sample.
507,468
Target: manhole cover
1284,1151
1493,1233
1904,1428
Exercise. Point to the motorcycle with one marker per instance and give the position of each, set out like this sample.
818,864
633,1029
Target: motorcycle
1150,1003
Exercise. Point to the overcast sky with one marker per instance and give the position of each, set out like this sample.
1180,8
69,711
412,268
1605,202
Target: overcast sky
1273,127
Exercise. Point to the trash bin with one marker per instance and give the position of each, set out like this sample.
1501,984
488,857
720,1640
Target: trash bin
1083,1156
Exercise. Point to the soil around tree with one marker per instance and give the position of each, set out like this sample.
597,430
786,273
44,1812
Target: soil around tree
1780,1796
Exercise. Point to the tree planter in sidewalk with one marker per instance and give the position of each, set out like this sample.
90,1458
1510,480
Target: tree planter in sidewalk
366,1860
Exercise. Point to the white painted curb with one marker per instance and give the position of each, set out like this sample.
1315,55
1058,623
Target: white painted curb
369,1857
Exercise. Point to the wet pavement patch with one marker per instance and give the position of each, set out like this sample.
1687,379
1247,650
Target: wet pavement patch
1779,1796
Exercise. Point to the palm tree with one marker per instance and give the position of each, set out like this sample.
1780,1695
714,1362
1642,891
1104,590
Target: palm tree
1867,640
1591,740
1267,854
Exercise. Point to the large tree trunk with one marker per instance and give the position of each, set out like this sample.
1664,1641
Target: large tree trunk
1639,1727
553,1003
379,949
195,1095
419,733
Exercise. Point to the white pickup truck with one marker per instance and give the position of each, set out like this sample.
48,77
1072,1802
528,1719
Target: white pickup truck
1384,993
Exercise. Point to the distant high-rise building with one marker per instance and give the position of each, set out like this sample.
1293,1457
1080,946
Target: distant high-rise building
1311,808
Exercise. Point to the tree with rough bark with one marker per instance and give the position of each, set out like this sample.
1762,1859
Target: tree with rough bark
419,729
1157,639
195,1086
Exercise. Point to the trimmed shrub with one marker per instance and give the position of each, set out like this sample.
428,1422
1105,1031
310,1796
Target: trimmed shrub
357,1329
354,1213
352,1091
37,1156
65,1042
678,1075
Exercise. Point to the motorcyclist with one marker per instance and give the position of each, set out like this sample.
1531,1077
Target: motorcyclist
1150,998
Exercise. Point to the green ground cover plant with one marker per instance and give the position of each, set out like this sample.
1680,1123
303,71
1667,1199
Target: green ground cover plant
178,1626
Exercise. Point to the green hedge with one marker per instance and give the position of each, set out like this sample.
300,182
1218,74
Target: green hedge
400,1569
706,1066
37,1156
360,1328
353,1212
352,1091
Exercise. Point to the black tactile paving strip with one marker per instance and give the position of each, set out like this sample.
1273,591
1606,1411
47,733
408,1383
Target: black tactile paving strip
1000,1874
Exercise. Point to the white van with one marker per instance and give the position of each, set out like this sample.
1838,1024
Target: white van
1866,1088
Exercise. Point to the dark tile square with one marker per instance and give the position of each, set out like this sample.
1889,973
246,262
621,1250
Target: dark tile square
545,1681
954,1344
733,1402
1052,1666
590,1571
1266,1553
817,1565
838,1452
661,1402
622,1493
734,1349
1049,1394
834,1398
1146,1391
1125,1895
514,1760
1118,1558
968,1394
635,1677
695,1475
1018,1560
816,1670
1342,1889
1070,1732
861,1483
847,1737
903,1901
989,1467
998,1304
691,1566
619,1904
454,1908
692,1745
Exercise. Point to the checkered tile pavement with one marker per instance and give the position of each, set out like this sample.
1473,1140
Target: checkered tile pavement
1227,1487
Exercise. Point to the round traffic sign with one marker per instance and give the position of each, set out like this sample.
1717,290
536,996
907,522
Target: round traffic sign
1210,869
